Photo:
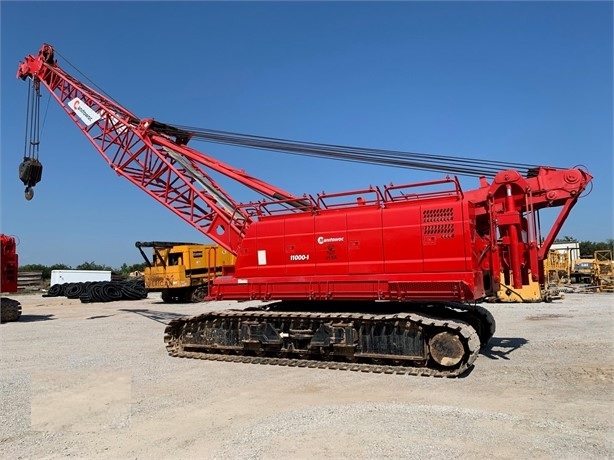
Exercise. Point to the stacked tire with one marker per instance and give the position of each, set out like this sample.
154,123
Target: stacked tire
99,291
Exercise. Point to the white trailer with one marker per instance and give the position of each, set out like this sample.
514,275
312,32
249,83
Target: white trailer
79,276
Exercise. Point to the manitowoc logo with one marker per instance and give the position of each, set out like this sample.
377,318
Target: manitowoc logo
322,240
83,111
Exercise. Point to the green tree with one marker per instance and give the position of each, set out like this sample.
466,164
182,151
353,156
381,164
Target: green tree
126,269
55,267
93,266
137,267
566,239
588,248
44,269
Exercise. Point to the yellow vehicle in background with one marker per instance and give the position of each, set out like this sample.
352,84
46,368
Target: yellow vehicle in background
557,268
183,272
584,270
598,271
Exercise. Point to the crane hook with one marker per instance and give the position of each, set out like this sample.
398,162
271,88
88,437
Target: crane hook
30,173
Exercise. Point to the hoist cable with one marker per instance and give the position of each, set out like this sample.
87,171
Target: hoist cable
36,126
25,143
31,147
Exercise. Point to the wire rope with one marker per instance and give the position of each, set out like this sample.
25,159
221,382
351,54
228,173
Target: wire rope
412,160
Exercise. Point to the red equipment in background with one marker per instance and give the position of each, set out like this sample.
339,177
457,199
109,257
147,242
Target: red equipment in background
9,263
430,242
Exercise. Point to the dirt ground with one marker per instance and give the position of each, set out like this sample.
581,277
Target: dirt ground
95,381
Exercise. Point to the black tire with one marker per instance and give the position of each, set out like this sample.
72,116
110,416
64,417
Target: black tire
74,291
198,294
55,290
167,297
488,325
133,291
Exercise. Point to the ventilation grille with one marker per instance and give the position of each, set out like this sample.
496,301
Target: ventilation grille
438,215
443,230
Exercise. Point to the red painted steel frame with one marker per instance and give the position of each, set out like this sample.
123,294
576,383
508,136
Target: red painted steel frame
138,152
507,209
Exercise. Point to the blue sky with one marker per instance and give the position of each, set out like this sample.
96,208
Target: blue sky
527,82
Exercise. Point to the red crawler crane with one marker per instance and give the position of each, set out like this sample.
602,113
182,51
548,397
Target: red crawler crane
414,257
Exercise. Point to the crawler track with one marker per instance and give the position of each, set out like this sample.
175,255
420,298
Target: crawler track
403,343
479,317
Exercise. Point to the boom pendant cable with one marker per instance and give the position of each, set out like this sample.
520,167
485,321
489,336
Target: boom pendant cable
411,160
464,166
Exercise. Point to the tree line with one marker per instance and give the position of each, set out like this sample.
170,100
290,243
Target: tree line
588,248
124,270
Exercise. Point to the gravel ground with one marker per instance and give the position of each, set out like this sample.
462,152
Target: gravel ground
95,381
